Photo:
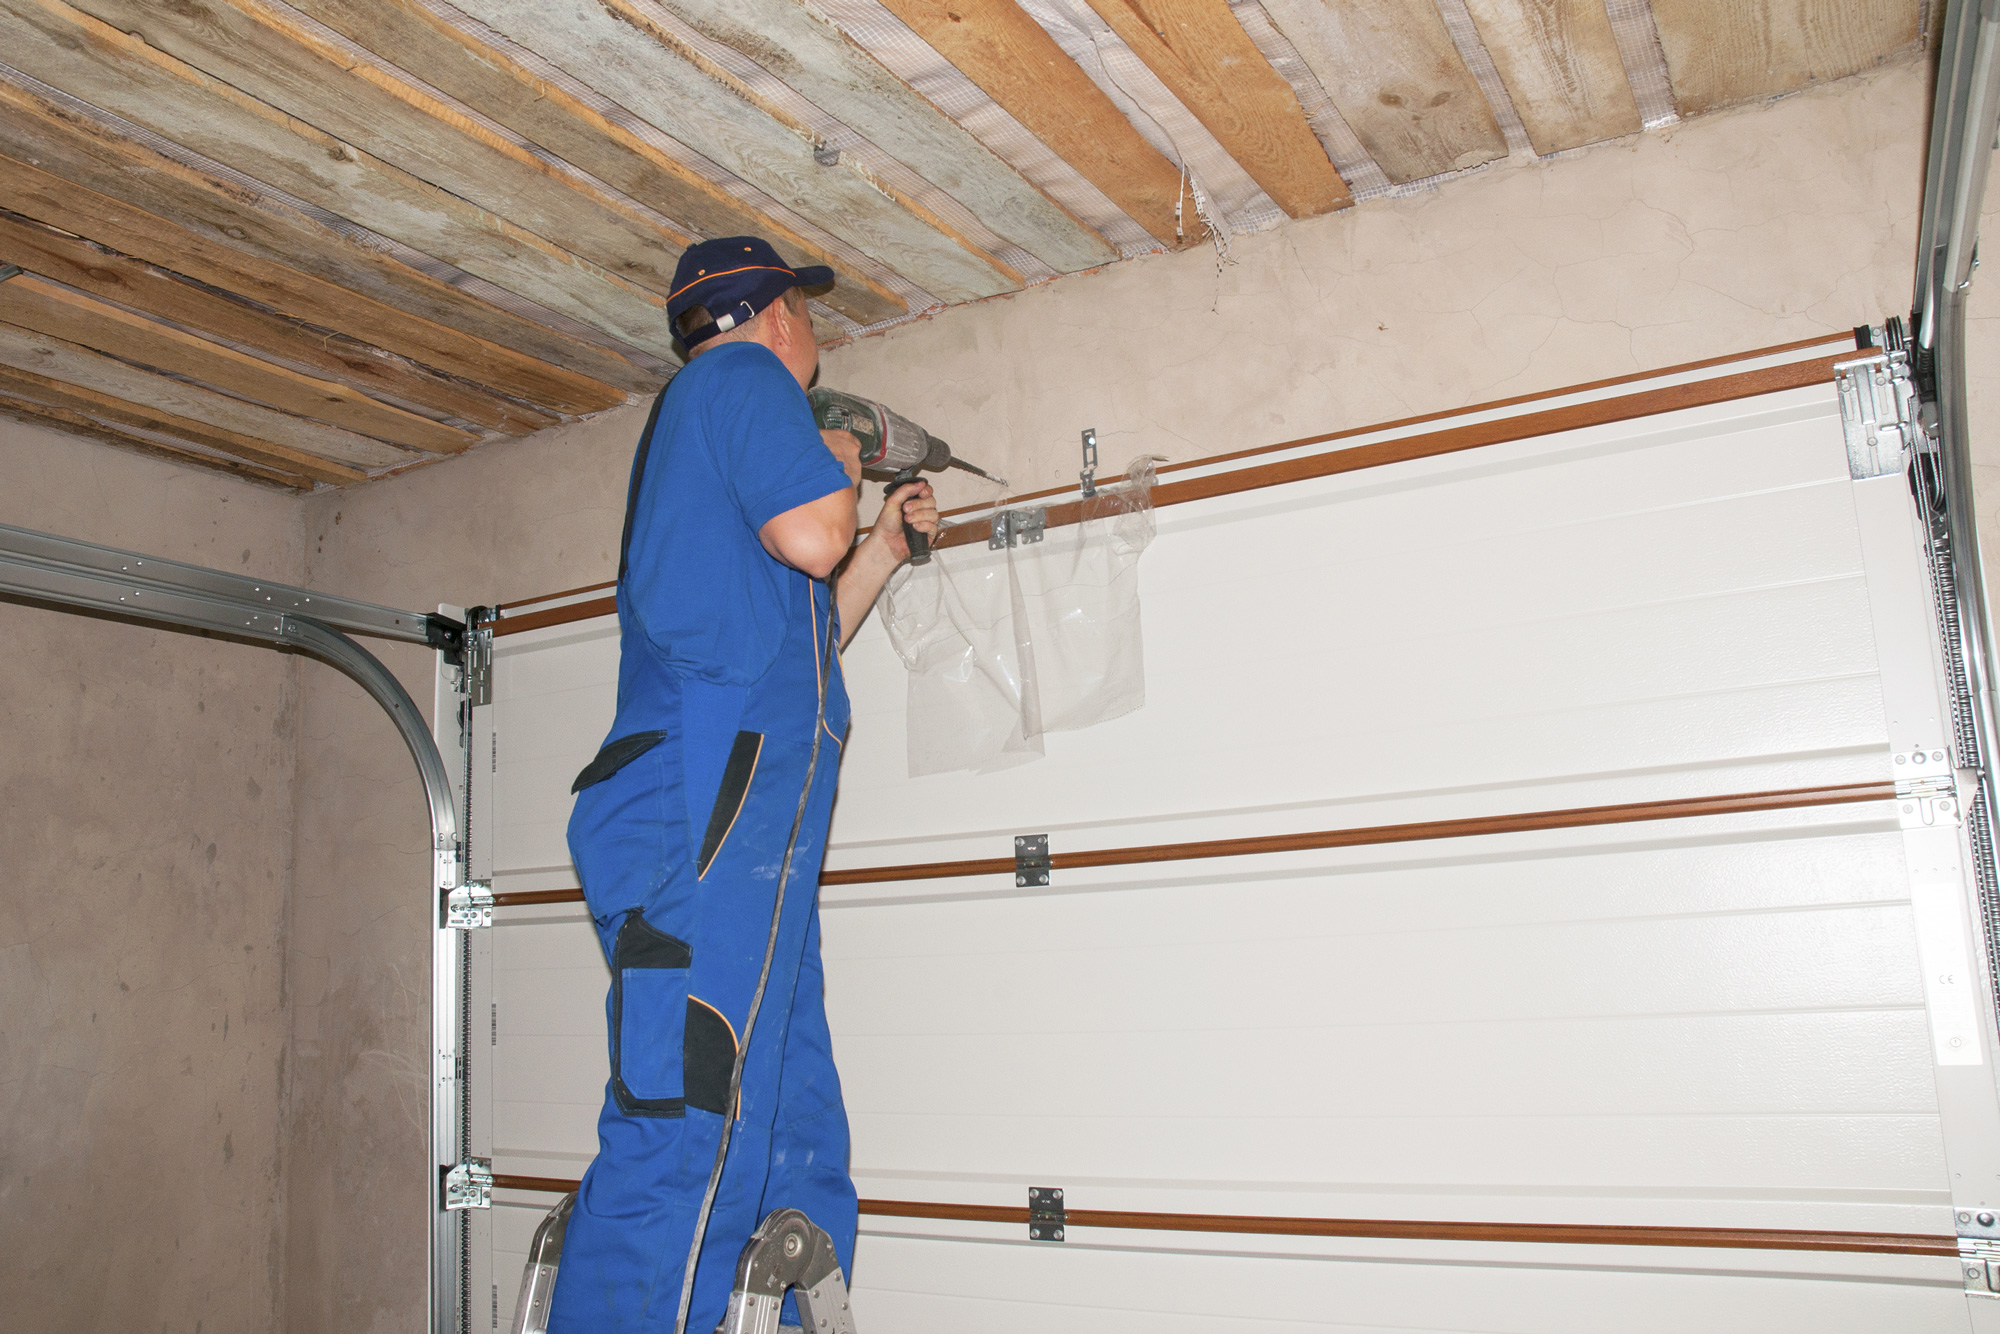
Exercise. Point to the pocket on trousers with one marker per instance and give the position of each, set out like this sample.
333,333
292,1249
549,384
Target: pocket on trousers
649,996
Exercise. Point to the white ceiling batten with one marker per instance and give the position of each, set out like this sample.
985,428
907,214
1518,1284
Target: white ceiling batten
813,59
269,195
649,139
907,56
1472,50
615,50
127,76
859,154
1234,201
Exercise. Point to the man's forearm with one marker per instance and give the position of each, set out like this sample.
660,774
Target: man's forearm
860,582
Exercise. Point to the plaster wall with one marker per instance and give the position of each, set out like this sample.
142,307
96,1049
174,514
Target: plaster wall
146,840
1732,232
505,521
1735,231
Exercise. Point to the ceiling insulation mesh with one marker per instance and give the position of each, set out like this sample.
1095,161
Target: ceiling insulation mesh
667,146
914,61
428,265
1645,62
1234,201
1364,177
1472,50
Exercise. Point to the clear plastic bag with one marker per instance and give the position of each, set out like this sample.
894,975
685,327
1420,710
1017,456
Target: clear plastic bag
1004,646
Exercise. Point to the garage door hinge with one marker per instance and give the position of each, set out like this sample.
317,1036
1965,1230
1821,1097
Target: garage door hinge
469,907
1979,1252
1031,859
468,1185
1926,790
1013,528
1045,1213
1878,413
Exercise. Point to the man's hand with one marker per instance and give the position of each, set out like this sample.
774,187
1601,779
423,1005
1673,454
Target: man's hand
847,449
909,506
886,547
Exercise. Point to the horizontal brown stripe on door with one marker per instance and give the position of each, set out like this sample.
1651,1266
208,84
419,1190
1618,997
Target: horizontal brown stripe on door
1402,1229
1577,817
1428,444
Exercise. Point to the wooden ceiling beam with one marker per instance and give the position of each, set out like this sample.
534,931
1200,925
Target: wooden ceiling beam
130,282
70,422
818,61
1016,63
1396,77
71,363
30,387
36,304
88,179
1203,56
1560,63
618,49
288,66
1721,52
410,35
122,74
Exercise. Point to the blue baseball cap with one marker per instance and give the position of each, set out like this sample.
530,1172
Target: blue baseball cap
721,284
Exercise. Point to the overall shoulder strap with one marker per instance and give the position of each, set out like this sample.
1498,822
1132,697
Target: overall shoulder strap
638,473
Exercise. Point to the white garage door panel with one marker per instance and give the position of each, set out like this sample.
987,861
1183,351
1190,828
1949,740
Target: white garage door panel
1580,609
1604,1017
1713,1022
911,1283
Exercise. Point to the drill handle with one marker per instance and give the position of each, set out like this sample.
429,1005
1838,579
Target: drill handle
920,543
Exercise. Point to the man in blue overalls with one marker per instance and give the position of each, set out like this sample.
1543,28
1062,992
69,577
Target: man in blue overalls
711,797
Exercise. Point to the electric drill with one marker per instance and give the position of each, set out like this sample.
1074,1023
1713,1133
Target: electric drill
891,443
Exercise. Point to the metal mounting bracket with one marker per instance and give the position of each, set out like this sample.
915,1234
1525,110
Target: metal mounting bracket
1926,789
1046,1218
1878,413
1089,462
469,907
1013,528
1031,860
1979,1251
469,1184
8,271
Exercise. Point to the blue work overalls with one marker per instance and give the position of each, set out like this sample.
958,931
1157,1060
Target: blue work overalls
678,834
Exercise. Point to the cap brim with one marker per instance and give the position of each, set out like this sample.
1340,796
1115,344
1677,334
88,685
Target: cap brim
814,275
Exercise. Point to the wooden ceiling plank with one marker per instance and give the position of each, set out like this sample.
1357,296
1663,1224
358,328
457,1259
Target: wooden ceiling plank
1391,69
1721,52
817,60
1560,63
90,267
71,363
76,423
1015,62
283,63
131,198
34,303
617,49
28,386
122,74
1203,56
411,35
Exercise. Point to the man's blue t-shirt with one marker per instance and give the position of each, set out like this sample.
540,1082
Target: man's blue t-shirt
735,447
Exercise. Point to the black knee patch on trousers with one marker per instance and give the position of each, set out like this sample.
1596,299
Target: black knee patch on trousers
649,987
